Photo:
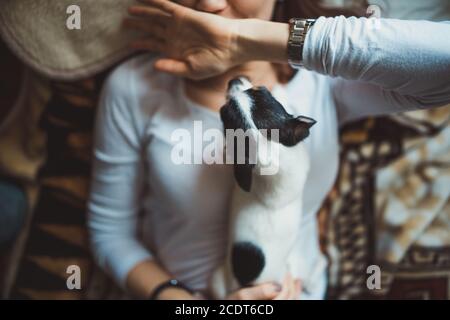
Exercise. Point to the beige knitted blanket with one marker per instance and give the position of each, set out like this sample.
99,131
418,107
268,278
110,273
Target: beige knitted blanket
37,31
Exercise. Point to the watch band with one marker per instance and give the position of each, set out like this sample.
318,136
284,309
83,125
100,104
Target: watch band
298,29
172,283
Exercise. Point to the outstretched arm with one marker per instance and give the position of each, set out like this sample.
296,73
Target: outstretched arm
382,65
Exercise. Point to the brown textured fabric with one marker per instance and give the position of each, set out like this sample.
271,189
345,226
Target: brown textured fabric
58,234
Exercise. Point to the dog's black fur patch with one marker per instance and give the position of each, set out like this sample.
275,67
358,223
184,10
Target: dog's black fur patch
268,113
247,262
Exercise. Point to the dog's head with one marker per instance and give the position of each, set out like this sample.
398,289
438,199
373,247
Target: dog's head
254,109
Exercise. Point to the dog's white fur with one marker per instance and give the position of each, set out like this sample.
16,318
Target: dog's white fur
270,214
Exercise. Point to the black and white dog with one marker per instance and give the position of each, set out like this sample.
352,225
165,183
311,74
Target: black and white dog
266,205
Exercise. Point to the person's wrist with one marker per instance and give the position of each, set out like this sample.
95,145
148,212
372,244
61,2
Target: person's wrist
171,289
240,45
262,40
174,293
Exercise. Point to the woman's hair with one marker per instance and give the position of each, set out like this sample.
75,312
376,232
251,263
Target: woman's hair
287,9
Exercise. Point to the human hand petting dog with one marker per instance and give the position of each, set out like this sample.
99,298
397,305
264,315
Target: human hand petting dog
199,45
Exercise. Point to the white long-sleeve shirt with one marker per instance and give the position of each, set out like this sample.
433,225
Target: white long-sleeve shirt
354,68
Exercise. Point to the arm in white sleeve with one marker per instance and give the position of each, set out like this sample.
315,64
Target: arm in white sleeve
381,65
116,182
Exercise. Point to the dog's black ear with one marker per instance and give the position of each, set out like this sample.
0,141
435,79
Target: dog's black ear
243,176
296,131
301,127
243,171
232,119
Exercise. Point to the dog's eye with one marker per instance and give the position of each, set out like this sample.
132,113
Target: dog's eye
261,88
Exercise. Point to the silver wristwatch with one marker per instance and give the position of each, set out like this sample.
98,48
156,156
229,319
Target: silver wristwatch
298,29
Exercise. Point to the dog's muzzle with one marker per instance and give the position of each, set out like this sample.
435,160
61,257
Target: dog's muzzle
237,85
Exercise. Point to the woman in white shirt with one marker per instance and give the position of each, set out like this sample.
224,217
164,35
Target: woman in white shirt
354,67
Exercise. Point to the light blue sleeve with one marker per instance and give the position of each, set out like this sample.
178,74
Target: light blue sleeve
381,66
117,180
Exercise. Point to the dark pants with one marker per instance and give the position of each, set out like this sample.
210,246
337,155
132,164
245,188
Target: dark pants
13,209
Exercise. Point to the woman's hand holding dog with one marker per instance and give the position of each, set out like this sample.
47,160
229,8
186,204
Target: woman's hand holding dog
289,290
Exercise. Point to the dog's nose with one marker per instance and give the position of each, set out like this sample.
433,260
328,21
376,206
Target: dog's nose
239,84
235,82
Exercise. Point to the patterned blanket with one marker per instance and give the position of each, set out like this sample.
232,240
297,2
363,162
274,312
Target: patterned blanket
392,208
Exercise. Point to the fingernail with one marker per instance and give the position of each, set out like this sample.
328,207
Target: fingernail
277,287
